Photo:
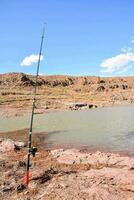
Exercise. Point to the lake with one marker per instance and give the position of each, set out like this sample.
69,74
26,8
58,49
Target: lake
109,128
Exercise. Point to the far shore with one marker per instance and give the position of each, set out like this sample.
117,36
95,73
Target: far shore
10,111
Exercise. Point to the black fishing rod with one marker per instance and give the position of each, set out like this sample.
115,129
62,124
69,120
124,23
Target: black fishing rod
32,150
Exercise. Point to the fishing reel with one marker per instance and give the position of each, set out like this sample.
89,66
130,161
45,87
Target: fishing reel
33,150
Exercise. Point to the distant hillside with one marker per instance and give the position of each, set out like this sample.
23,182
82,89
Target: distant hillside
21,79
59,92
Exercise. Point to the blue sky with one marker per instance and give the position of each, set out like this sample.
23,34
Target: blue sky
82,37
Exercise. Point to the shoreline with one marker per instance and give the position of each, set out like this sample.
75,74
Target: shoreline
9,111
40,140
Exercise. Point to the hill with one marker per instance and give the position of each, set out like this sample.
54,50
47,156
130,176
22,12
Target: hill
63,92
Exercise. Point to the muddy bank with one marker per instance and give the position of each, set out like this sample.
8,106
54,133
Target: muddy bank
65,174
22,135
40,139
12,111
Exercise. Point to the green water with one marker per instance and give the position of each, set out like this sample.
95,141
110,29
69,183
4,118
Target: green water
104,128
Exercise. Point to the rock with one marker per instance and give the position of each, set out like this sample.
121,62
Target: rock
20,188
97,159
7,145
10,145
57,152
44,177
66,159
21,163
52,170
101,88
19,144
7,188
92,106
77,106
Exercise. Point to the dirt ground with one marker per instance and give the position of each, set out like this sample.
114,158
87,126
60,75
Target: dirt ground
65,174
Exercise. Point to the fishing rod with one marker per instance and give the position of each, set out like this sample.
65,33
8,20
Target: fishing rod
32,150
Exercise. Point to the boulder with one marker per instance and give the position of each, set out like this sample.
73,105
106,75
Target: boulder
10,145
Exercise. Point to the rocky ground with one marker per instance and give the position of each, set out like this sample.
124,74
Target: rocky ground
62,93
64,174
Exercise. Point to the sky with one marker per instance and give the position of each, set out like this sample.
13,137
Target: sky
82,37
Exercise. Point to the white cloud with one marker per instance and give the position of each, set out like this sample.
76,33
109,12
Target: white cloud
118,63
125,69
40,74
29,60
126,49
132,41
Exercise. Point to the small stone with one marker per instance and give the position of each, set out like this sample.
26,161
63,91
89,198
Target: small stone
7,188
20,188
21,163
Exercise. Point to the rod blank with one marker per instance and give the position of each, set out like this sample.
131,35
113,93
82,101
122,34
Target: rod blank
32,113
